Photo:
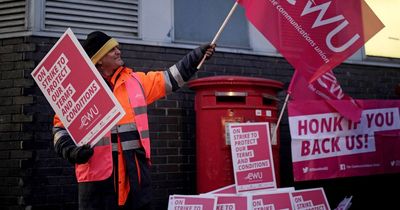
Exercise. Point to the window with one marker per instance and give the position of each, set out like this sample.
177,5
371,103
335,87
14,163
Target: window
385,43
197,21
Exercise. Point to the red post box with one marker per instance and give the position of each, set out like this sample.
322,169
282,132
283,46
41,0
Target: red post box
223,99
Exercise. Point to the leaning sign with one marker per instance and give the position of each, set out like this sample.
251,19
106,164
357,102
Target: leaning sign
252,156
76,91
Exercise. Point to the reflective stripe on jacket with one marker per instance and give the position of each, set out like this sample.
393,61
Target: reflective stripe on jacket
139,106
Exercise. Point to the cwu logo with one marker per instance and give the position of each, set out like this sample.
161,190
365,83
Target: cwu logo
253,176
87,118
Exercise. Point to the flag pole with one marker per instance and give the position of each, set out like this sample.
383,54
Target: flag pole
219,31
280,116
288,92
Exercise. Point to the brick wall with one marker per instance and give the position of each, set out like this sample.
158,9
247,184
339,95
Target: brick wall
33,177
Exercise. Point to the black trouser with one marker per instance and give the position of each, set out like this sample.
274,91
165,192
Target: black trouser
97,195
101,195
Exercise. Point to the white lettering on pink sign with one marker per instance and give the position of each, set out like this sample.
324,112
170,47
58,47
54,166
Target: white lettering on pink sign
243,154
328,135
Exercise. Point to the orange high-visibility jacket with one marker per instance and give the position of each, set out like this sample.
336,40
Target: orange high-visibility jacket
154,86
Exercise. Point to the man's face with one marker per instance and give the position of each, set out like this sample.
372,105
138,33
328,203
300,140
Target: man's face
110,62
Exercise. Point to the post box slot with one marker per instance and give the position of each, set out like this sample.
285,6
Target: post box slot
269,99
231,97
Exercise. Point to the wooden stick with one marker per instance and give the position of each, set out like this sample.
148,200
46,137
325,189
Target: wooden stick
219,31
280,116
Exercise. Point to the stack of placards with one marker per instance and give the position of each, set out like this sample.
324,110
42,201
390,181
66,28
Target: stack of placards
255,186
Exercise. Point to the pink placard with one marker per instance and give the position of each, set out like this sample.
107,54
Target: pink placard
192,202
76,91
310,199
273,199
327,145
233,202
252,156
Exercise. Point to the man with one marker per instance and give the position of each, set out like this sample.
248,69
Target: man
115,173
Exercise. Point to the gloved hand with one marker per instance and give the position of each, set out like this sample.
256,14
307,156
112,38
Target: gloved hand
80,154
208,49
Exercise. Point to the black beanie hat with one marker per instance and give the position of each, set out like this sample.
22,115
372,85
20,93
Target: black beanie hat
97,44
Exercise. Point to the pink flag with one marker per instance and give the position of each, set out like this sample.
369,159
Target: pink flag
325,87
314,36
